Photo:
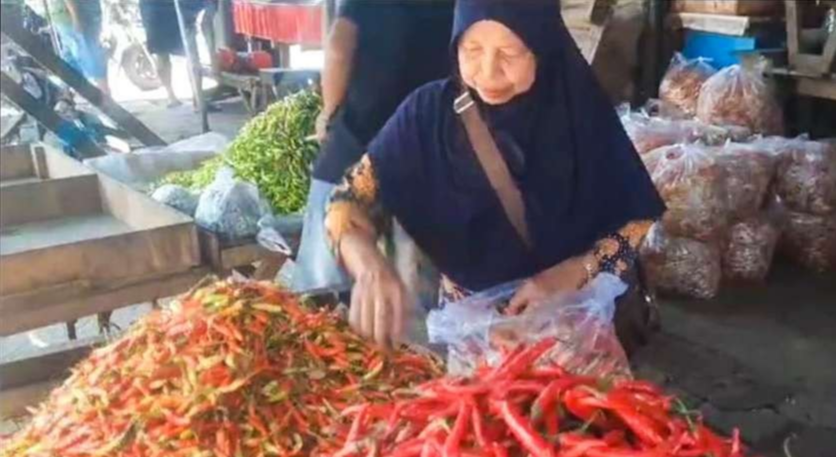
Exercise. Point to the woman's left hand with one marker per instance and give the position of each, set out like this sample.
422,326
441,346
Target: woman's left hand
566,277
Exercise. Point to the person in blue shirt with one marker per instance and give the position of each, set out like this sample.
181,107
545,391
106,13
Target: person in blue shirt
377,52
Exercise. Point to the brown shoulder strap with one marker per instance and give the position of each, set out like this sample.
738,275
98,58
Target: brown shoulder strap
494,165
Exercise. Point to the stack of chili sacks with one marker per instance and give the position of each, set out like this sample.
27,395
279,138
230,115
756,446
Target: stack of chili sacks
805,194
524,407
232,369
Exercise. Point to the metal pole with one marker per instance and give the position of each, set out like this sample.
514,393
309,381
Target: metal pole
52,34
190,46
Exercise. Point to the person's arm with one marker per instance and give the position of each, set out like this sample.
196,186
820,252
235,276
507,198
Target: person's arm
615,254
72,8
353,222
339,57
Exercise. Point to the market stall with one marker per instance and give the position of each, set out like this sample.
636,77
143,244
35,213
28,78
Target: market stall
235,365
262,72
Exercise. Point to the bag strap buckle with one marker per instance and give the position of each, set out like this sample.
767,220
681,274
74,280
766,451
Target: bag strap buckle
463,103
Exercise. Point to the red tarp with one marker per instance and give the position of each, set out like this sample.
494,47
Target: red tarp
288,24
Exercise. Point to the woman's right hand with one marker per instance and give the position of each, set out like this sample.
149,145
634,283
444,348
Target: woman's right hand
378,301
322,121
379,298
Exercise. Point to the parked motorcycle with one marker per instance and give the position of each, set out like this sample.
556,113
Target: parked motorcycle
123,38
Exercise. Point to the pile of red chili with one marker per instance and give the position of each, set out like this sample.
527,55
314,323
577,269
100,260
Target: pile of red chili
230,370
522,409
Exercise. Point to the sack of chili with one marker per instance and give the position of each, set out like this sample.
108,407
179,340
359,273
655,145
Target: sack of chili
648,133
806,175
525,407
750,170
680,88
741,96
752,243
695,189
810,240
230,370
681,266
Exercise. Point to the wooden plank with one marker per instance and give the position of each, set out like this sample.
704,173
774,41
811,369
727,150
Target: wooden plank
137,209
794,26
38,161
46,364
11,125
44,200
58,164
99,262
32,46
819,88
35,310
715,23
238,256
809,64
829,54
16,163
729,7
268,269
14,402
68,132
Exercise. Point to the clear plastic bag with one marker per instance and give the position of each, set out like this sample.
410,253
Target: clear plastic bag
681,266
649,133
142,168
810,240
475,331
177,197
694,188
749,172
806,179
716,135
752,243
270,236
231,208
680,88
741,96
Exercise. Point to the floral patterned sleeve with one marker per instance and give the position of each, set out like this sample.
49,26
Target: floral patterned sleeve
617,252
355,205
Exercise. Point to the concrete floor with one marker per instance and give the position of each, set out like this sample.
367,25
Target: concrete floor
178,123
762,358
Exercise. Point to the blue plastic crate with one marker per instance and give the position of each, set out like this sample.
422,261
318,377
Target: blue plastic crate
724,50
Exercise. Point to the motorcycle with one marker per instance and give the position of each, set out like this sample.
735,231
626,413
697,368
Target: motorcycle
123,39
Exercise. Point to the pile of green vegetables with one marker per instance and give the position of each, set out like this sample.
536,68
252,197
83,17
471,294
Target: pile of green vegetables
273,151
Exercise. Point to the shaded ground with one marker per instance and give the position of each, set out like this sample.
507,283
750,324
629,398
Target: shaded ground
761,358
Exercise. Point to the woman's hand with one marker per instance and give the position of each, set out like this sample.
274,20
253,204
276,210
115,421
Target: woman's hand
379,298
566,277
322,121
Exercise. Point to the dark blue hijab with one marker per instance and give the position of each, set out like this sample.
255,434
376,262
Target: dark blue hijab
580,176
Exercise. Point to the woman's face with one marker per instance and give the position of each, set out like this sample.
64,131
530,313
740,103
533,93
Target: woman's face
495,62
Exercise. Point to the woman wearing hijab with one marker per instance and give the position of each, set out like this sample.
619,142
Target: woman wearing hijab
586,200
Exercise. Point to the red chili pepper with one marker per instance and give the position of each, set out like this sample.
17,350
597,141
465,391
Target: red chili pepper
358,424
454,440
581,405
522,430
642,426
410,449
479,428
522,361
552,419
498,450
